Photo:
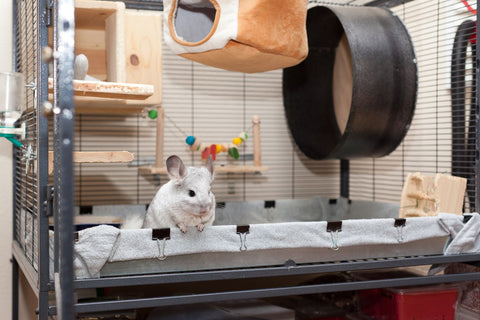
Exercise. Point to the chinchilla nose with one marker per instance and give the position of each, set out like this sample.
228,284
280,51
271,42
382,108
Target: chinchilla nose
205,207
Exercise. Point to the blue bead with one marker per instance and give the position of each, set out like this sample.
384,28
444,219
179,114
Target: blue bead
190,140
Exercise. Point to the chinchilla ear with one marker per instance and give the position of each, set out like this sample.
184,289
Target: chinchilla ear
209,166
175,168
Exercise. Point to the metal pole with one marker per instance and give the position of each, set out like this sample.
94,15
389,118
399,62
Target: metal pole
14,289
64,30
42,161
477,117
345,178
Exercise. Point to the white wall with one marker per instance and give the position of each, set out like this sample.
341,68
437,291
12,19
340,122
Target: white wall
5,172
27,299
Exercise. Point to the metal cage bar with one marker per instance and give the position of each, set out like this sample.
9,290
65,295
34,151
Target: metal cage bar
64,32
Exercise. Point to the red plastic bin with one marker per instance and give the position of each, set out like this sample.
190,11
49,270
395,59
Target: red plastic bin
415,303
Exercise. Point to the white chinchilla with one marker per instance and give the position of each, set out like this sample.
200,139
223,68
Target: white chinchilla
186,200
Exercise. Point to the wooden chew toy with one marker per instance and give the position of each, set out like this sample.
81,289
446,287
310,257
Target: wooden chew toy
158,167
428,195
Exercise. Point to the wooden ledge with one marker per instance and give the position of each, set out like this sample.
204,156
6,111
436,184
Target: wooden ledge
111,90
95,157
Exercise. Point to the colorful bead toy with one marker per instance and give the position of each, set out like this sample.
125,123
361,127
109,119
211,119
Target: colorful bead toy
212,149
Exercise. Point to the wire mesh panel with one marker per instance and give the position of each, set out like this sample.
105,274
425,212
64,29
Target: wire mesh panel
25,176
116,183
215,105
441,136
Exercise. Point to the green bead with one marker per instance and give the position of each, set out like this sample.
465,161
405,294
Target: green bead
233,152
153,114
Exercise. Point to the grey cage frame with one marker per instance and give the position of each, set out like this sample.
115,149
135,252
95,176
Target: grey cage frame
64,284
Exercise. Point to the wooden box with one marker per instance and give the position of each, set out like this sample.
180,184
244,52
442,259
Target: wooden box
100,35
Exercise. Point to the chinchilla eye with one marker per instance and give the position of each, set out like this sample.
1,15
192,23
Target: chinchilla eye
191,193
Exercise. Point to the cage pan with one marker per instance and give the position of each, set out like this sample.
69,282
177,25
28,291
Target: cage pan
338,102
272,236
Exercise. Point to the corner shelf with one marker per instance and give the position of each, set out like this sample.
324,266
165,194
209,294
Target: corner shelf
158,167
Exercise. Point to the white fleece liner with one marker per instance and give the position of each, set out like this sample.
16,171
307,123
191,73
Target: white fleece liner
105,250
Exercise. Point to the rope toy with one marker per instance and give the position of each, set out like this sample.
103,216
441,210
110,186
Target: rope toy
212,149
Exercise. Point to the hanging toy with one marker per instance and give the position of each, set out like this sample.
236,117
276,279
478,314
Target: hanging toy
230,148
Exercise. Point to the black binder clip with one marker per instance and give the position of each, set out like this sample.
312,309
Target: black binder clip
161,236
242,231
334,227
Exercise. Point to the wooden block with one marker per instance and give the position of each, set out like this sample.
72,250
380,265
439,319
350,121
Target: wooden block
450,191
429,195
143,43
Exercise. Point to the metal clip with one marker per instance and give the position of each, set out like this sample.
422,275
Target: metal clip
399,224
242,231
334,228
28,156
161,249
161,236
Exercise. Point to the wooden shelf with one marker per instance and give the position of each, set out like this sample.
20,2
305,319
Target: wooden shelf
101,97
218,169
111,90
95,157
95,220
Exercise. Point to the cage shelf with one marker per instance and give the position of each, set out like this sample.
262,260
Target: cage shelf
112,90
95,157
102,96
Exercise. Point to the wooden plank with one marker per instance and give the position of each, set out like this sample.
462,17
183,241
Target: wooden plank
450,192
115,46
257,152
143,45
95,157
90,219
91,14
100,106
113,90
160,137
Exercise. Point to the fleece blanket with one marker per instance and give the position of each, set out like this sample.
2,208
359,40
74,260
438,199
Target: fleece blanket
104,244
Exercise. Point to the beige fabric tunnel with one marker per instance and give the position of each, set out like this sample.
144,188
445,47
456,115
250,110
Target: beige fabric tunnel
238,35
